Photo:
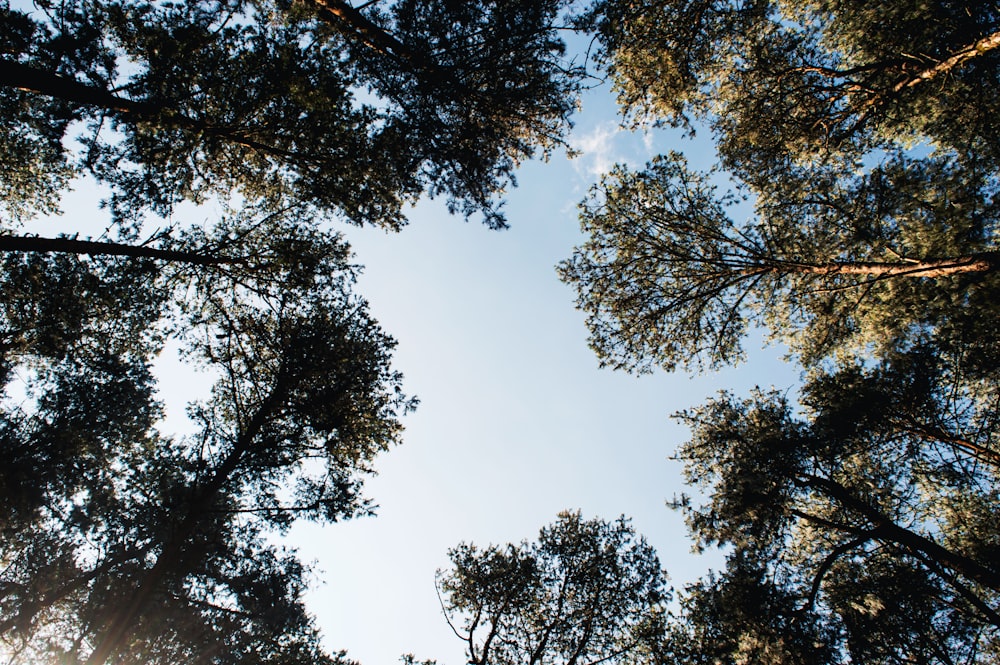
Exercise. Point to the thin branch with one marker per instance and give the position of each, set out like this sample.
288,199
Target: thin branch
977,451
828,562
447,618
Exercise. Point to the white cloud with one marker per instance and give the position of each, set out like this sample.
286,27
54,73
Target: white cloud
598,150
647,142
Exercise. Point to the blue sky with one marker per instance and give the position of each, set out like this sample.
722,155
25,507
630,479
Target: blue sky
516,421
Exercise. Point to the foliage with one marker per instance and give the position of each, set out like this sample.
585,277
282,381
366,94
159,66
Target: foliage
863,137
588,591
831,264
123,544
868,519
352,112
802,79
859,525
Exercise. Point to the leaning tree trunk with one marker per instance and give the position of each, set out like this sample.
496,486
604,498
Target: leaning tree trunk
92,248
981,262
125,617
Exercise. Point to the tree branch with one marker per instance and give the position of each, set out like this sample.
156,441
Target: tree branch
340,15
977,48
979,262
831,558
977,451
37,81
907,539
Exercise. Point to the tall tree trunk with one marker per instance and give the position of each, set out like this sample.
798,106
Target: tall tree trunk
342,15
981,262
30,79
348,20
976,49
879,97
888,530
124,618
92,248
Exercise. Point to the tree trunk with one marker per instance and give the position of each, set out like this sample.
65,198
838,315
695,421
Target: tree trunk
889,531
29,79
340,14
984,45
92,248
124,618
982,262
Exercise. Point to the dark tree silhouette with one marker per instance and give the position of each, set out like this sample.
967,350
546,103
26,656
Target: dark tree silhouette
588,591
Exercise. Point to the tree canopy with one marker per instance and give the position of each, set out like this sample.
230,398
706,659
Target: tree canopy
586,592
869,518
851,214
874,217
804,79
351,111
124,543
830,265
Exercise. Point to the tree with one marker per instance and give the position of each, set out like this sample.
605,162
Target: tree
869,517
183,101
863,136
802,80
830,265
856,525
743,616
121,544
588,591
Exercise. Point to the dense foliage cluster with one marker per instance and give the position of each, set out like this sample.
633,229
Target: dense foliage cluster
587,591
123,543
317,102
120,542
861,524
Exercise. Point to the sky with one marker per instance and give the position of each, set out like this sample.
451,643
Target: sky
516,422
